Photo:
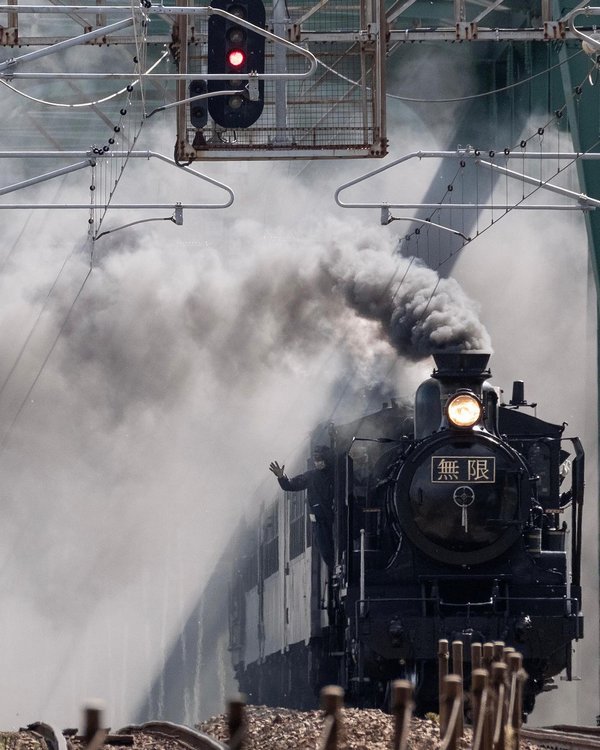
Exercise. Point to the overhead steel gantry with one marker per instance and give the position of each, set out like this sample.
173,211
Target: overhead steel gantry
327,71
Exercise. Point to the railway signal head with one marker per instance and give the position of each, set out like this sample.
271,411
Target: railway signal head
198,108
233,48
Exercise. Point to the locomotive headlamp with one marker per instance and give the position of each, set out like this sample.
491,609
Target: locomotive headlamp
464,410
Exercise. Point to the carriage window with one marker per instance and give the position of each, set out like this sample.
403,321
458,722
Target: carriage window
250,571
297,507
270,544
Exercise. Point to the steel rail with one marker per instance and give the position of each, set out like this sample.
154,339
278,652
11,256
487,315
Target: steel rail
552,739
189,738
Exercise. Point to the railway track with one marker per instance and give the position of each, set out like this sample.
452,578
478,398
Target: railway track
171,736
138,736
563,737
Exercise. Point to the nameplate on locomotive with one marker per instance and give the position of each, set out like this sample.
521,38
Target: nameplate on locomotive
479,469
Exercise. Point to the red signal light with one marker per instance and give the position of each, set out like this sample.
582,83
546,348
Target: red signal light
236,58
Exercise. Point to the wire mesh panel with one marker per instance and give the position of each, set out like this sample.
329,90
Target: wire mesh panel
335,112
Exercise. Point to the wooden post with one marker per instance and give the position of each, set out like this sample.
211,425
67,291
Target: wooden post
457,669
517,678
476,653
332,700
515,662
487,656
498,650
443,658
236,722
452,698
481,733
402,708
92,721
498,682
93,733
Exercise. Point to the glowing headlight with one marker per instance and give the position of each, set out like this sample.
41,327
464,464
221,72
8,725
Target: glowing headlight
464,410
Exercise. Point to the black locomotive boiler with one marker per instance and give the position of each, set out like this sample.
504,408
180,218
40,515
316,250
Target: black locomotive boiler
451,521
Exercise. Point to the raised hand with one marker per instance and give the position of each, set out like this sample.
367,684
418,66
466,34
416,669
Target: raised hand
278,470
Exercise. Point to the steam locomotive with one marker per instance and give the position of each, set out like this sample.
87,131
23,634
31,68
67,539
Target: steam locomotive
450,522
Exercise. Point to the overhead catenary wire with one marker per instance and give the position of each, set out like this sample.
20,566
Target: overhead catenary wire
76,105
460,98
4,441
35,325
485,93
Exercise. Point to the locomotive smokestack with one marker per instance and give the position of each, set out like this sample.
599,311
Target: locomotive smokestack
462,363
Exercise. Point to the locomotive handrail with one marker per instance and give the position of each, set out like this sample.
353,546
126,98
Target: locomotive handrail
577,486
361,606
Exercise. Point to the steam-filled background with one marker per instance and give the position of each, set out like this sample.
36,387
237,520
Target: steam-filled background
141,402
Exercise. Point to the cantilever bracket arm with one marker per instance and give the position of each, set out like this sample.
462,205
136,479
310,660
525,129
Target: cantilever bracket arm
413,155
583,202
588,10
91,160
